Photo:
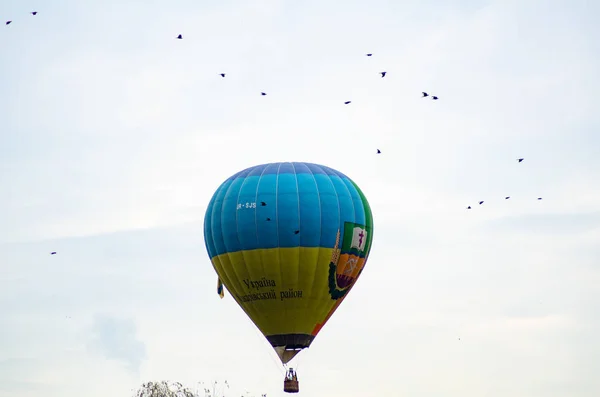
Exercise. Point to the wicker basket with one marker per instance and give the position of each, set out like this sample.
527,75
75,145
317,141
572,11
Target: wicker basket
291,386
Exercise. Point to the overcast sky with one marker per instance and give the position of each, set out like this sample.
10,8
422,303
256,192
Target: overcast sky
114,136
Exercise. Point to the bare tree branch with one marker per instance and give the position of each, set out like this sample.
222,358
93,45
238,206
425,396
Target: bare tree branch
164,389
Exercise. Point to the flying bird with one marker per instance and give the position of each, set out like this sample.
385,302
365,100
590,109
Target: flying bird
506,198
263,93
382,74
369,55
539,198
53,253
424,94
520,160
378,151
297,231
347,102
469,207
179,37
8,22
268,219
33,12
434,98
222,74
262,203
481,202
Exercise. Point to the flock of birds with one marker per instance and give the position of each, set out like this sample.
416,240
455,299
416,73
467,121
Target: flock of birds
507,197
435,98
425,95
383,74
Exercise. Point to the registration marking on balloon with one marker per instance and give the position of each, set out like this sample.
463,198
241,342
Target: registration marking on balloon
245,205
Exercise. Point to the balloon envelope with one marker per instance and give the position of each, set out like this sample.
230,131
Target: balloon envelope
288,241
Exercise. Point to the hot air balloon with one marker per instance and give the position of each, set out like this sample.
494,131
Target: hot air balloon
288,241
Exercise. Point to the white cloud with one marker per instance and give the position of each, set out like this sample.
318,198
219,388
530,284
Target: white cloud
116,339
